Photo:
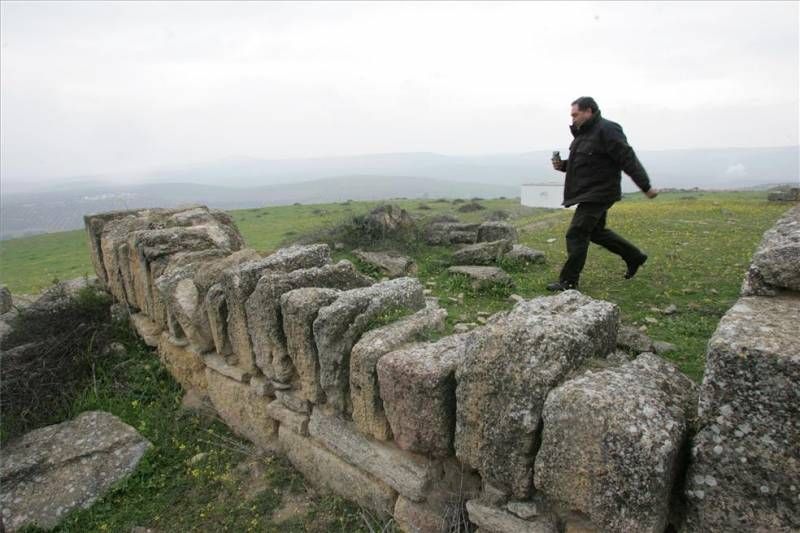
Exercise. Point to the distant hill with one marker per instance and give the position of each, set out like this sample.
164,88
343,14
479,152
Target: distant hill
42,212
249,182
728,168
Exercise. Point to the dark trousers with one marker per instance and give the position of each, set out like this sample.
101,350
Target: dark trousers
589,225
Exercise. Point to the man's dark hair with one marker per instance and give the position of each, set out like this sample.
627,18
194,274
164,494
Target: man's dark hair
586,102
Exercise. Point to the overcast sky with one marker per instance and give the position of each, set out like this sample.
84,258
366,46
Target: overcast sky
114,88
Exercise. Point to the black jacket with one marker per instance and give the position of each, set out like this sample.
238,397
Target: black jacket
596,156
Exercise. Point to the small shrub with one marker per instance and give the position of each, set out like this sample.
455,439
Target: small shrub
458,201
50,355
470,207
424,207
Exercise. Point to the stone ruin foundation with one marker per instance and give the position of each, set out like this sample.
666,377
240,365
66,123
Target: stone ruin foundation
513,422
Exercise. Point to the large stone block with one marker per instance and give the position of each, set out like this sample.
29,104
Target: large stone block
483,277
368,413
509,367
245,412
409,474
114,249
183,362
495,520
53,470
482,253
776,263
263,307
299,309
745,462
339,326
326,470
611,443
418,389
95,224
287,418
389,263
451,233
216,309
239,283
495,231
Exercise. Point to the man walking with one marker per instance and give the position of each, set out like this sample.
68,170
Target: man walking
596,156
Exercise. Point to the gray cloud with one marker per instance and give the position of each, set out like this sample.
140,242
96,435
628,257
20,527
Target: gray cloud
120,88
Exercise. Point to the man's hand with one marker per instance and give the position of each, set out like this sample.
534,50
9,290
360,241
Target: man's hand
559,165
651,193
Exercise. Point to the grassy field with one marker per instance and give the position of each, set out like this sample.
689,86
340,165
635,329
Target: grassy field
699,246
199,477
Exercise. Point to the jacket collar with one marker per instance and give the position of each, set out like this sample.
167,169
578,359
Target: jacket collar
588,125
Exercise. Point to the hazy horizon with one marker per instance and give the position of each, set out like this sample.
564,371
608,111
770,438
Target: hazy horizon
121,90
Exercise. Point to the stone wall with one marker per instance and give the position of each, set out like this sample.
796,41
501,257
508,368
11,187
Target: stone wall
521,423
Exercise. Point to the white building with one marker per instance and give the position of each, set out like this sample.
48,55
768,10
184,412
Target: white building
545,194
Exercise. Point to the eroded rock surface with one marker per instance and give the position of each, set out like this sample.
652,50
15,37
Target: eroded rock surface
299,309
745,462
339,325
611,443
368,412
776,263
389,263
264,320
483,277
482,253
509,367
418,389
495,231
48,472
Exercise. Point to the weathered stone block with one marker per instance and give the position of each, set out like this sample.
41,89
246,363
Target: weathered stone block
509,367
495,231
288,419
408,474
611,443
368,413
483,277
525,255
326,470
264,320
418,389
389,263
776,263
244,412
219,365
482,253
240,281
496,520
745,462
95,224
299,309
183,362
451,233
216,308
339,325
53,470
632,340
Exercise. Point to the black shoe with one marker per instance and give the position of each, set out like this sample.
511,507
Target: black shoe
558,286
634,267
